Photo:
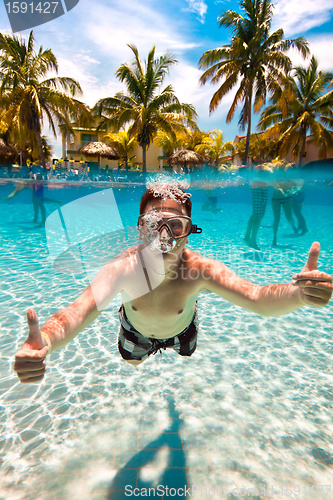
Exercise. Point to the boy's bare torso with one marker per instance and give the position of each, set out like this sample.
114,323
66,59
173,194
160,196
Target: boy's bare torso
169,306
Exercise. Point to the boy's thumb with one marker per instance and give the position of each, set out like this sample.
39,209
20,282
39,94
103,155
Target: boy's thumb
35,336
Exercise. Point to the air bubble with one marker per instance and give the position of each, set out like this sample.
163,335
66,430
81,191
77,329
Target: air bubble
170,190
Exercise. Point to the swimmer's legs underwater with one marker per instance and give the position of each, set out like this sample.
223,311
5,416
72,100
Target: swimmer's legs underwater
38,204
276,207
252,230
297,207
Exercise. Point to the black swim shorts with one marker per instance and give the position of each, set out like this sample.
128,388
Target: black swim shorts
133,345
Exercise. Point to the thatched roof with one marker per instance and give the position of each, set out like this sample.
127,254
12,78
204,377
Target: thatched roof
99,149
186,156
5,149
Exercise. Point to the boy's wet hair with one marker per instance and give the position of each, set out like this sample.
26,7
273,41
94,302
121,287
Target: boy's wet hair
166,191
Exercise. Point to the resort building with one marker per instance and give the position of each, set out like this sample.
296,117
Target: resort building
83,136
155,158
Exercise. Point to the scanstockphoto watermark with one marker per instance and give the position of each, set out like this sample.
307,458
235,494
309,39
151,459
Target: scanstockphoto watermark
187,492
286,491
26,15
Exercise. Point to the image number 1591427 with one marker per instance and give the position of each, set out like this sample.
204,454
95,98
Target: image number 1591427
24,7
26,15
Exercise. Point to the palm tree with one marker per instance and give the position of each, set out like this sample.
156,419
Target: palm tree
124,144
192,136
33,153
213,147
308,108
168,143
142,106
255,61
261,148
27,97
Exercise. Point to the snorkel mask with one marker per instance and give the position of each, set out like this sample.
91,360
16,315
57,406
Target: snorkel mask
178,227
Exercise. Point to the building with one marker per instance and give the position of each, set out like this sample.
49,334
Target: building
83,136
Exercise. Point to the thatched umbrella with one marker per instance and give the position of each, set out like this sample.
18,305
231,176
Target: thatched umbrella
6,150
185,156
99,149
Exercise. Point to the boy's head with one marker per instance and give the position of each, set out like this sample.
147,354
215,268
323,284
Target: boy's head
165,200
163,191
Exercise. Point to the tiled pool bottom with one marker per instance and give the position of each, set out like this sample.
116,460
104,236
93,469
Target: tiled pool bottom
241,417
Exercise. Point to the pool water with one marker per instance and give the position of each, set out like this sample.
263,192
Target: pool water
249,415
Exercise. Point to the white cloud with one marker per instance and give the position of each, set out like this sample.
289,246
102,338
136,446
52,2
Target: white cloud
321,47
185,81
117,25
198,7
83,68
299,16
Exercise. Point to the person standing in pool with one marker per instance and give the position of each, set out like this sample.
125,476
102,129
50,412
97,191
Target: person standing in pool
210,203
297,201
160,280
37,197
282,196
259,190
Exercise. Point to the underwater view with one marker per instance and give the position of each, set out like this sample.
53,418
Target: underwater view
247,415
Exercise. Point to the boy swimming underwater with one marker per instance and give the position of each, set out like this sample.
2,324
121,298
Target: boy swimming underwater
160,281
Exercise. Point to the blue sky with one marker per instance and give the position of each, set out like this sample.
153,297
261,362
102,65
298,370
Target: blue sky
90,42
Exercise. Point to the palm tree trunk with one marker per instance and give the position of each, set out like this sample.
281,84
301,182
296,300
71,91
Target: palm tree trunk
40,148
35,122
248,135
23,152
302,148
144,158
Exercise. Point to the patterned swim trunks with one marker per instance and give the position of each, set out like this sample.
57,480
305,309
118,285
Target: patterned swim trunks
259,200
133,345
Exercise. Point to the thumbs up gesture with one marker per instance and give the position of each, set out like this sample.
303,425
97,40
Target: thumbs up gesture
30,362
315,287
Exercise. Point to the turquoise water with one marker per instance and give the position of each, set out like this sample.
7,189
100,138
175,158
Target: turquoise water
251,409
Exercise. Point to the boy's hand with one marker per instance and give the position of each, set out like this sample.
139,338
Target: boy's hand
30,362
315,287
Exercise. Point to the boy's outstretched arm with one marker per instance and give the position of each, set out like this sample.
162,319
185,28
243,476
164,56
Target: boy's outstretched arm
310,287
63,326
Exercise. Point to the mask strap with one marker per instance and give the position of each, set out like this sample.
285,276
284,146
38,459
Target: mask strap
195,229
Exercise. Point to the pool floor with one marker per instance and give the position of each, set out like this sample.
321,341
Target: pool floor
204,428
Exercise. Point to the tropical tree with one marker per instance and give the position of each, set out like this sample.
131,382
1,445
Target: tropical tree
308,107
261,148
33,153
27,97
169,143
255,61
143,105
124,144
192,136
213,147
